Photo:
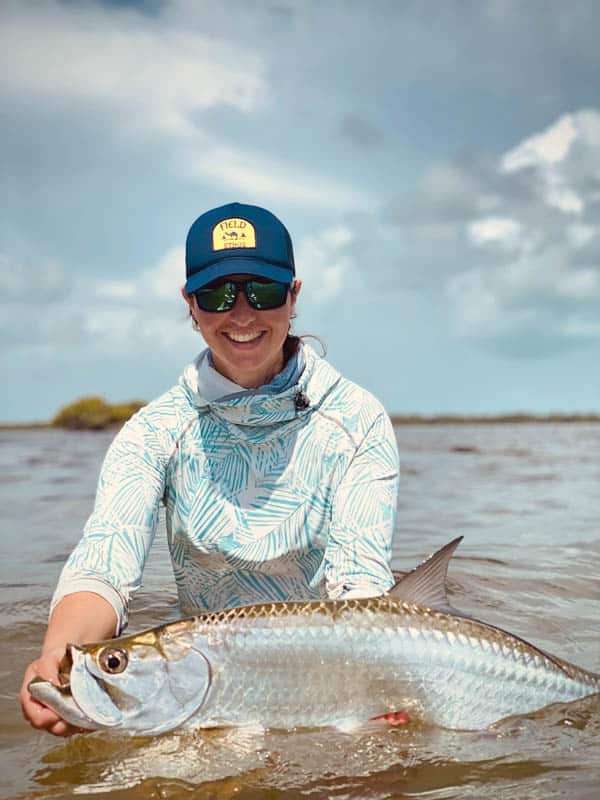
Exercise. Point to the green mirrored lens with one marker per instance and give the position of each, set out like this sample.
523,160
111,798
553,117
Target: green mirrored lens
264,296
217,298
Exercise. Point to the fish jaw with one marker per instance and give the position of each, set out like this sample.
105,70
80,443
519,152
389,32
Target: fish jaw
60,699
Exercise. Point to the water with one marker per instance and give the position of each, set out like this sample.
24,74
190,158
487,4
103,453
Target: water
527,500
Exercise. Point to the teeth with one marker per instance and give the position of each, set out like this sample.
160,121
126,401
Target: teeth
243,337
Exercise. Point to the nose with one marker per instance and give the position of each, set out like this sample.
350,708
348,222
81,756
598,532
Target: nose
242,312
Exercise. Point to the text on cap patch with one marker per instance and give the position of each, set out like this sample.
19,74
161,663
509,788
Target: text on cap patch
233,232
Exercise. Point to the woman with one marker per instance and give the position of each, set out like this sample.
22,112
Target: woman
279,476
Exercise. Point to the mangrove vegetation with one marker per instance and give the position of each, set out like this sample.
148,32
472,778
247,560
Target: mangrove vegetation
94,413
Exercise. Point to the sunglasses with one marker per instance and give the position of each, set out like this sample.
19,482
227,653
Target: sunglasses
261,295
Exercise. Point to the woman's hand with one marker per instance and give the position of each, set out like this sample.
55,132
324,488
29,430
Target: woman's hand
79,617
38,715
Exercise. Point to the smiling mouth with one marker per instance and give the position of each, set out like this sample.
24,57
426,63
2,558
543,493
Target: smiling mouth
244,338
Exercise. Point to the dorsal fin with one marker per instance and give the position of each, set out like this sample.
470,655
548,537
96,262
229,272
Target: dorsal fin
425,585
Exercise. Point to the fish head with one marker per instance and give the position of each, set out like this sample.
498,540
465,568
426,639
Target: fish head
144,684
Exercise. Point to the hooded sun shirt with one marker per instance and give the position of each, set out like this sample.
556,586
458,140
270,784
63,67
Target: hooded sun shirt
284,492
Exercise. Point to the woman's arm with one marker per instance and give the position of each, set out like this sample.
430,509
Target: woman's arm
110,557
79,618
92,596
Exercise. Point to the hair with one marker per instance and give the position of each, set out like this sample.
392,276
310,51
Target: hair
292,342
290,346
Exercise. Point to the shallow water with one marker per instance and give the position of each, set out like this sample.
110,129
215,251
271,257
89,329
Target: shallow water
527,500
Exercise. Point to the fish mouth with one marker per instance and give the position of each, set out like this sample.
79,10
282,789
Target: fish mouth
36,684
80,698
60,700
64,676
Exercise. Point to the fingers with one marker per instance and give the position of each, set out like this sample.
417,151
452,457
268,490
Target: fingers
37,714
44,719
45,667
65,730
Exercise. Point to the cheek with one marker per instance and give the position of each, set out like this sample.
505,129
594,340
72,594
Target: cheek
207,324
279,319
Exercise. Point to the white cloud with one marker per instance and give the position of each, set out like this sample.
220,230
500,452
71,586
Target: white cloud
323,261
157,283
495,229
72,319
476,301
142,311
542,300
546,148
156,79
116,289
526,271
566,153
253,174
564,199
166,277
145,73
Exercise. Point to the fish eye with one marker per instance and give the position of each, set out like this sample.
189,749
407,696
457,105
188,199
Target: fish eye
113,660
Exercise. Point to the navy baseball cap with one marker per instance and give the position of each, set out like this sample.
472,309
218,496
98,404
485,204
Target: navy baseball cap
237,238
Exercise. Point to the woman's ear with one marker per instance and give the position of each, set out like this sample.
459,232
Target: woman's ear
295,291
187,297
192,307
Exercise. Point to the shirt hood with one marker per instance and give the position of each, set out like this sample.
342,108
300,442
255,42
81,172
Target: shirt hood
258,409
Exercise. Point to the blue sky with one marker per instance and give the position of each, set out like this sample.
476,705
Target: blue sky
438,166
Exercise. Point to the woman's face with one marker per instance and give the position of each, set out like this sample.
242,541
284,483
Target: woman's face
246,345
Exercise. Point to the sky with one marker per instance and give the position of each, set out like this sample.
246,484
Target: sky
437,165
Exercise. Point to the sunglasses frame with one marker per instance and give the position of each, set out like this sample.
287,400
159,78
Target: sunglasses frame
241,286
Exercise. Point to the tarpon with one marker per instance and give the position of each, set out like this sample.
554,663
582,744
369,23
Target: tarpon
315,663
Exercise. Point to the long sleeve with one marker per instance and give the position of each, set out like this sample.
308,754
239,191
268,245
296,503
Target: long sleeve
358,553
110,557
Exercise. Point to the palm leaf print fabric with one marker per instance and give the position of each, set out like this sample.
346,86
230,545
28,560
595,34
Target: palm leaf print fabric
265,501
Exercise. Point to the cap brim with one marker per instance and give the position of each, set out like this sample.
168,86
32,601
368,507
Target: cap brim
235,266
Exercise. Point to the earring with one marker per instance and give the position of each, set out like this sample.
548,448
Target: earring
195,325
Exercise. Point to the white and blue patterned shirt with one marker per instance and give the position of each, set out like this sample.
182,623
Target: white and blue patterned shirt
269,496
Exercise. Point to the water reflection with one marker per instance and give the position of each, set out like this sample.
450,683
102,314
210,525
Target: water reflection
416,760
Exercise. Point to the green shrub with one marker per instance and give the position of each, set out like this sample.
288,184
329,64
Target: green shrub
120,412
94,413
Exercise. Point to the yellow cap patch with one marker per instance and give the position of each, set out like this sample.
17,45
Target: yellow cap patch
233,232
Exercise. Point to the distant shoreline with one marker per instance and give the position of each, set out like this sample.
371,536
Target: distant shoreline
397,419
486,419
90,413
